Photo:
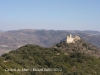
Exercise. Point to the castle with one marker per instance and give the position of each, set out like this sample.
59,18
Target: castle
71,39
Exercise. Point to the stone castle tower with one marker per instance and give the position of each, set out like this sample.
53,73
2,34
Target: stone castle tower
71,39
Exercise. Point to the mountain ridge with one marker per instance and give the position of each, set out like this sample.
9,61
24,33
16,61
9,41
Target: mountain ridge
11,40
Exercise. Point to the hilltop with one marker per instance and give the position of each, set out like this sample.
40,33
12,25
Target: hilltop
60,59
80,46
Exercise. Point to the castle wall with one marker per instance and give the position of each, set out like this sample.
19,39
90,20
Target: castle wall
70,39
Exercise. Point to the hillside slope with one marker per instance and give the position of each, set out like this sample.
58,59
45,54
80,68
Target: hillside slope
61,59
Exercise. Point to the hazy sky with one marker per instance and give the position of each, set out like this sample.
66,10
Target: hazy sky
50,14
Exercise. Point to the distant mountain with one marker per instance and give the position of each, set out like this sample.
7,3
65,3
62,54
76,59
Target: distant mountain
79,58
11,40
89,32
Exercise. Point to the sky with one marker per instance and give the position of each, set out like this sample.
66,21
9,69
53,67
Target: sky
50,14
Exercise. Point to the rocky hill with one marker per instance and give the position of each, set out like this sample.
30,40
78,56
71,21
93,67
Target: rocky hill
11,40
79,58
80,46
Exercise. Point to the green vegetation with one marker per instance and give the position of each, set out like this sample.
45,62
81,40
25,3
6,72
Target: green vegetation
33,56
